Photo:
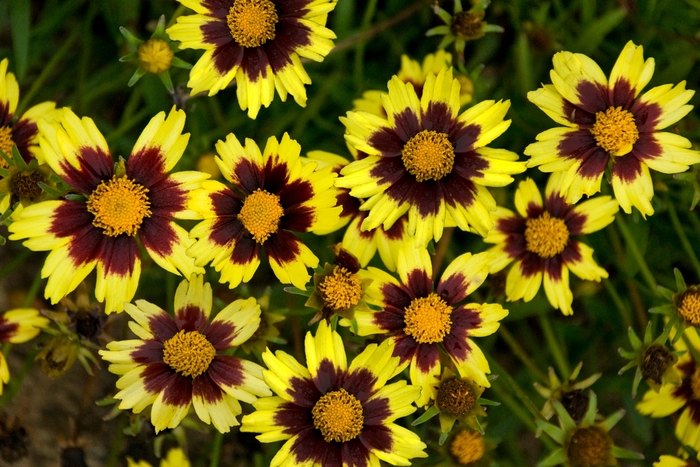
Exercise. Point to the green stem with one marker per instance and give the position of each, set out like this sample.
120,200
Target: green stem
624,312
20,259
370,10
216,449
634,249
553,344
33,289
115,448
682,236
16,381
519,352
46,72
503,375
691,348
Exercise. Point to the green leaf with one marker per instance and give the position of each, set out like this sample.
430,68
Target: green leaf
593,36
19,19
427,415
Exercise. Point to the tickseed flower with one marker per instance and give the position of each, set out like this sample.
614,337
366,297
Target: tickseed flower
339,288
672,397
333,414
654,361
469,448
607,125
155,55
569,393
415,72
269,196
175,362
113,205
421,318
176,458
427,160
462,26
587,443
363,244
257,42
18,326
20,182
540,238
683,311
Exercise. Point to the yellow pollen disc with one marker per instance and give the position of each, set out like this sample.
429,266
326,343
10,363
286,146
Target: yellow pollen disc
252,22
695,383
6,143
189,353
546,236
467,447
338,415
689,307
261,214
119,206
429,155
155,56
341,290
589,447
615,131
428,319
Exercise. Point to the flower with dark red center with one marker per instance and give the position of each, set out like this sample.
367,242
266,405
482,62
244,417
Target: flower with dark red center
428,160
541,239
114,205
425,320
178,362
270,195
257,42
334,414
606,125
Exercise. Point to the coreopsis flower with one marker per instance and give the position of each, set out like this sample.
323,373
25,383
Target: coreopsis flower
20,178
424,319
469,448
155,55
654,361
339,288
178,362
271,195
585,443
672,397
540,239
606,124
569,393
259,43
17,326
683,311
113,205
415,72
175,458
331,413
462,26
428,160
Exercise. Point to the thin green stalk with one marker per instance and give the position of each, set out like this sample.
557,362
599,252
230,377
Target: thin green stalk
13,387
370,10
503,375
682,236
115,448
216,449
46,72
634,249
20,259
33,290
522,355
559,359
624,312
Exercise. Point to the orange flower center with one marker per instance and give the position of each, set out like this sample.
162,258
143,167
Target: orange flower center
429,155
261,214
252,22
589,447
119,206
341,290
338,415
689,306
467,447
6,143
188,353
456,397
428,319
615,131
155,56
546,236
